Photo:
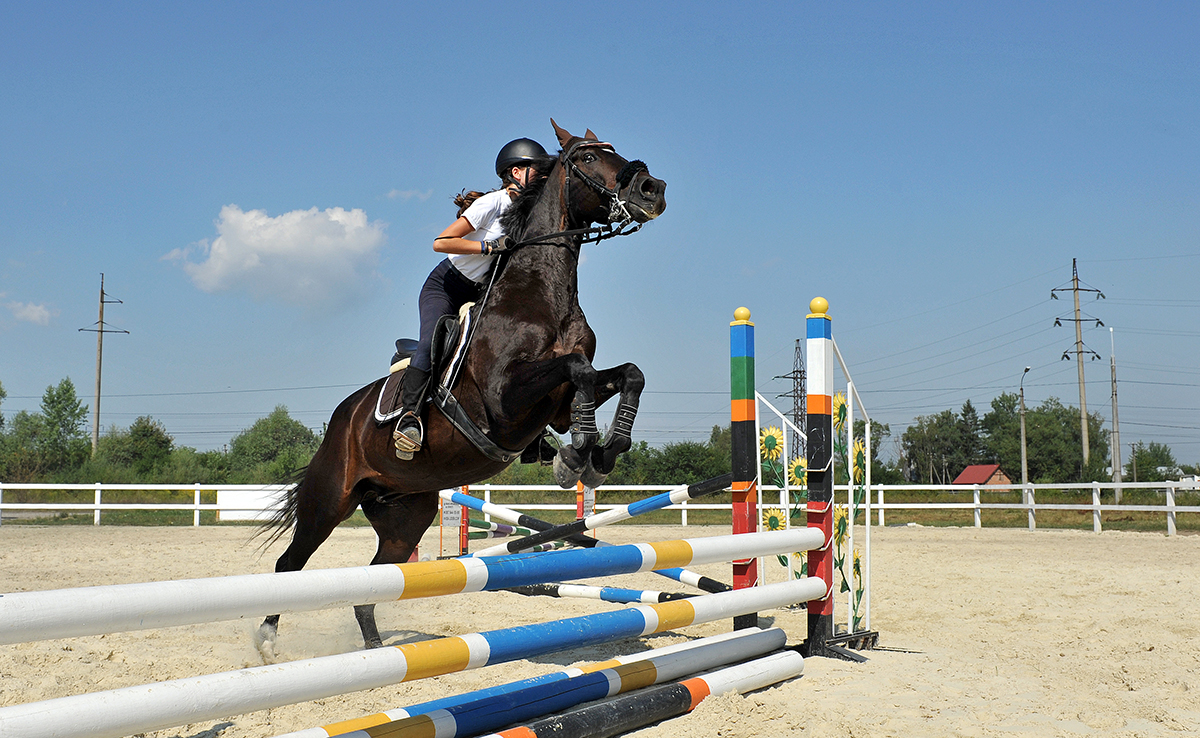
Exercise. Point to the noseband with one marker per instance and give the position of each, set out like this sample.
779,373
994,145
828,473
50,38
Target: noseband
620,221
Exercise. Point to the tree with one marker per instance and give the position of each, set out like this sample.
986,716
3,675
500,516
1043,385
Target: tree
145,446
971,448
930,448
3,396
275,445
1054,443
1153,462
57,434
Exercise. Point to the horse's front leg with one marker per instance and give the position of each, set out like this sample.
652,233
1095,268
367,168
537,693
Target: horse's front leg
629,381
572,459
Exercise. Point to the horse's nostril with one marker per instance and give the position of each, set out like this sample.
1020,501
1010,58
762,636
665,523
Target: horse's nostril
649,188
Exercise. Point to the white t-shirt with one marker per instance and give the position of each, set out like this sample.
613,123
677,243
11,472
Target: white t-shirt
484,215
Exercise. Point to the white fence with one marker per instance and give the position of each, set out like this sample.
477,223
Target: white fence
252,502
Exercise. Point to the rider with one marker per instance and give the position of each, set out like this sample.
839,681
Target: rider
471,243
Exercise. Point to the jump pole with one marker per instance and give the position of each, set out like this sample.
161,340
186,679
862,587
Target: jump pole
615,515
743,443
750,642
140,709
472,717
655,704
689,578
30,616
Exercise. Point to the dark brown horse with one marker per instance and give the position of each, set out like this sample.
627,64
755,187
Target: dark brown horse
529,365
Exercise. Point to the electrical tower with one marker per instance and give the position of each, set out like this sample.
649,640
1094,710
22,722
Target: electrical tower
1079,350
799,414
99,330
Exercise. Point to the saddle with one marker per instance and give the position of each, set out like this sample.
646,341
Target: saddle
445,355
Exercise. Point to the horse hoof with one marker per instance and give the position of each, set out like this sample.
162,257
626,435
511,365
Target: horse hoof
264,643
565,475
373,644
592,478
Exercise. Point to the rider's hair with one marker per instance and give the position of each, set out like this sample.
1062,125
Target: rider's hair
464,199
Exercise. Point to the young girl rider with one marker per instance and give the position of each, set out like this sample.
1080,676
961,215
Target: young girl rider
470,243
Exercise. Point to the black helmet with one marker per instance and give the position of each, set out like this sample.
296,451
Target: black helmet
518,151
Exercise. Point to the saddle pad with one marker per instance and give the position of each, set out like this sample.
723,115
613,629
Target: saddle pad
387,406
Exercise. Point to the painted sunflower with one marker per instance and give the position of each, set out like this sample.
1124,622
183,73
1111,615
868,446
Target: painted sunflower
798,471
774,519
839,410
860,460
770,443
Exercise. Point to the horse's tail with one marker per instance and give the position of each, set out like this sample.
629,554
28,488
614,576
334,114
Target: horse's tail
283,519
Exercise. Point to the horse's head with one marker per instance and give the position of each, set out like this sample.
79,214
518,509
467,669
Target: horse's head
616,190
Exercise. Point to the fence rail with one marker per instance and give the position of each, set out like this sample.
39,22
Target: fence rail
247,501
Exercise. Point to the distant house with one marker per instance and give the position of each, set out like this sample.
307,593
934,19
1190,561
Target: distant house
982,474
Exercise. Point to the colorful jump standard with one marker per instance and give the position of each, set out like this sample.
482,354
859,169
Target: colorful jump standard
743,442
819,344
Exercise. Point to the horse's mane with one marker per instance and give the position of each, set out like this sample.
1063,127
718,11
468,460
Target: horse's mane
516,217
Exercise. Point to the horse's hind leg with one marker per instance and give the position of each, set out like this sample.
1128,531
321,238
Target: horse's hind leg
317,514
629,381
399,522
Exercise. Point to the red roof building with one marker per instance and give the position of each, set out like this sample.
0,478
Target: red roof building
982,474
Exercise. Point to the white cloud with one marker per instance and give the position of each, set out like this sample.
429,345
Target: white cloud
410,194
305,257
27,311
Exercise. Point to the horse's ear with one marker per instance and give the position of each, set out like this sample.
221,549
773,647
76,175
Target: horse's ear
591,135
562,133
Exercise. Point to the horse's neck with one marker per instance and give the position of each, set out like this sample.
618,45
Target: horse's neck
544,272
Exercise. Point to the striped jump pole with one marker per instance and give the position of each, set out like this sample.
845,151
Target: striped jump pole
494,712
615,515
744,448
653,705
736,639
819,344
690,578
605,594
140,709
30,616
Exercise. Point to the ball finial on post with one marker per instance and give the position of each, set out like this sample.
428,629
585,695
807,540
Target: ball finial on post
742,313
819,306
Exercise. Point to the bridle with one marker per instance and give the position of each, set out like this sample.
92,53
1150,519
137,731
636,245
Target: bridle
620,221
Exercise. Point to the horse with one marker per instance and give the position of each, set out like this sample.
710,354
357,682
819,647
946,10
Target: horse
528,366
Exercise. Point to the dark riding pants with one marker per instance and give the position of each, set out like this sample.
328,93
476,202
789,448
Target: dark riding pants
445,291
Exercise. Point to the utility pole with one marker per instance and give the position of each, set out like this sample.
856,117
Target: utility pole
99,330
798,394
1079,351
1116,426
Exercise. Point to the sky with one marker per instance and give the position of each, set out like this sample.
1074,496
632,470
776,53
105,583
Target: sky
260,184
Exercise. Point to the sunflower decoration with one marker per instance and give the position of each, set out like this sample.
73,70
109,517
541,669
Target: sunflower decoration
774,519
860,460
858,564
771,443
841,520
798,471
839,410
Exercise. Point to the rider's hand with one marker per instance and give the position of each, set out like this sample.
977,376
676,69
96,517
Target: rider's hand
500,245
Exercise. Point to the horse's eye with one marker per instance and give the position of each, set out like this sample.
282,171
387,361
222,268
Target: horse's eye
589,158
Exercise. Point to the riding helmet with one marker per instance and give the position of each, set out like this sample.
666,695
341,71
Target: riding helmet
517,151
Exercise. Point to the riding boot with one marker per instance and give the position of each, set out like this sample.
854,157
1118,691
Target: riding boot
410,432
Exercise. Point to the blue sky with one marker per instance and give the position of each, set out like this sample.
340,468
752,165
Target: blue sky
260,183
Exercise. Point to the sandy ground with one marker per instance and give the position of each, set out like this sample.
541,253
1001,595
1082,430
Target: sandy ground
997,632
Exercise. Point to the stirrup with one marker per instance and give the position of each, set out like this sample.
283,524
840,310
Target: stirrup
408,441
